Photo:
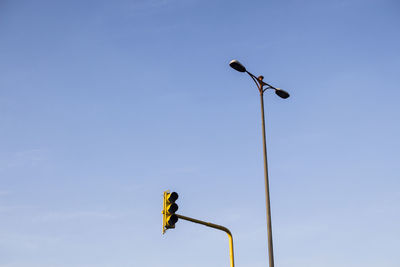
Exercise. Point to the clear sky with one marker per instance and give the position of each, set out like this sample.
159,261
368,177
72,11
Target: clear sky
106,104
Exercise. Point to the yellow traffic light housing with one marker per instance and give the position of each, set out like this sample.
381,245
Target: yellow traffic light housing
169,209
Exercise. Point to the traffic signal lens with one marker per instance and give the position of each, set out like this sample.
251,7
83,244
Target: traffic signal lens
172,208
173,197
171,221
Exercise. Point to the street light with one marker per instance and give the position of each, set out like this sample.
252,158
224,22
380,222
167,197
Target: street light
283,94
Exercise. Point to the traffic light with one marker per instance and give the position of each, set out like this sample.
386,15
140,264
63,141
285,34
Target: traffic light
169,209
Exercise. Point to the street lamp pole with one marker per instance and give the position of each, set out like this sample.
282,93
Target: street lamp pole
283,94
266,181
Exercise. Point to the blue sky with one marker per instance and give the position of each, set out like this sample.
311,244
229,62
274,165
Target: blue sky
106,104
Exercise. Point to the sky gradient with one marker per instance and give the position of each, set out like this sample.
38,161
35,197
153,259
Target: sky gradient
106,104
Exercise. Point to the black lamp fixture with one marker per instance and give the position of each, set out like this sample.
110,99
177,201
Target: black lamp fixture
236,65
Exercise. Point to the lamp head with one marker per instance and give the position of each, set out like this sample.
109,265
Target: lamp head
237,66
281,93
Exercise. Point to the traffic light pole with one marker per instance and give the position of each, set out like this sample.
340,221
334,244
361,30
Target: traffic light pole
215,226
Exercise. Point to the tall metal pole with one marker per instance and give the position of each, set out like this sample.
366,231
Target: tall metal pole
269,224
283,94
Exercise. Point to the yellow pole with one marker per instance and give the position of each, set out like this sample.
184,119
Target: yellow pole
215,226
